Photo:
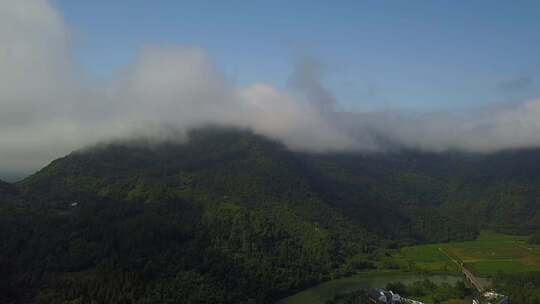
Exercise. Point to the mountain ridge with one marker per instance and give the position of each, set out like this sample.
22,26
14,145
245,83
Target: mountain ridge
247,219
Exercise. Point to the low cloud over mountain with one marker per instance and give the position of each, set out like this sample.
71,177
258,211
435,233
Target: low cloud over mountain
48,108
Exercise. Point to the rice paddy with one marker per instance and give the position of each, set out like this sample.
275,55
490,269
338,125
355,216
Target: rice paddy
489,254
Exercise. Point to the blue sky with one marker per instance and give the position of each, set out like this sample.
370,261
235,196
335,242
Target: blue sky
377,55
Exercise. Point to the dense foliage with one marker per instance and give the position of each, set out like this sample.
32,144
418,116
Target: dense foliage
431,292
353,297
228,217
534,238
498,191
223,219
521,288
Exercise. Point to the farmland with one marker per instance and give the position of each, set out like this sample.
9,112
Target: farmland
489,254
372,279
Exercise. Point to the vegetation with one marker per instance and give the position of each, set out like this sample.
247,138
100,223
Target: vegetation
327,291
354,297
232,217
425,290
489,254
429,292
523,288
535,239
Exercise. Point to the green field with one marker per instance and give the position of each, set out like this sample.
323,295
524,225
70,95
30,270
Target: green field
489,254
375,279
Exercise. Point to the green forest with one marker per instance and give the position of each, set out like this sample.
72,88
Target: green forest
232,217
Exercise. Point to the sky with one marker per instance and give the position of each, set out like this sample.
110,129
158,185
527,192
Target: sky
419,55
319,76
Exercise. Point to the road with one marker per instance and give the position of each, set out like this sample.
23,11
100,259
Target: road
473,279
468,274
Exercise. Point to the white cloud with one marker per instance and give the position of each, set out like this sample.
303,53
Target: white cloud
46,111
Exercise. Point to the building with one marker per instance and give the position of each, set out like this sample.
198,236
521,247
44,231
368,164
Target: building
382,296
491,297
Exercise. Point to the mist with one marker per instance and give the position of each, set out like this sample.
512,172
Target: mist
48,108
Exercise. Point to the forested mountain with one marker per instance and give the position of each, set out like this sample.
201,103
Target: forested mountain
232,217
7,189
500,191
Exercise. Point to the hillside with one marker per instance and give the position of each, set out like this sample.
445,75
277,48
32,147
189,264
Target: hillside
226,165
232,217
7,189
498,191
228,217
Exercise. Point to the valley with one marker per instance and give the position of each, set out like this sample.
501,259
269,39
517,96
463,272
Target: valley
489,255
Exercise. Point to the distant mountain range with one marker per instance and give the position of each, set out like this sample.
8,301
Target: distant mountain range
233,217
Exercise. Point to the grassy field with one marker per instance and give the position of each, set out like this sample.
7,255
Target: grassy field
489,254
375,279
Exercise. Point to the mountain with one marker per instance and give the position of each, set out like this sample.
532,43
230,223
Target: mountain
232,217
228,217
238,167
7,188
500,191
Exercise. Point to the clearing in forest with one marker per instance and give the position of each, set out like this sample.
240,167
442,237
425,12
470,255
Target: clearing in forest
489,254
